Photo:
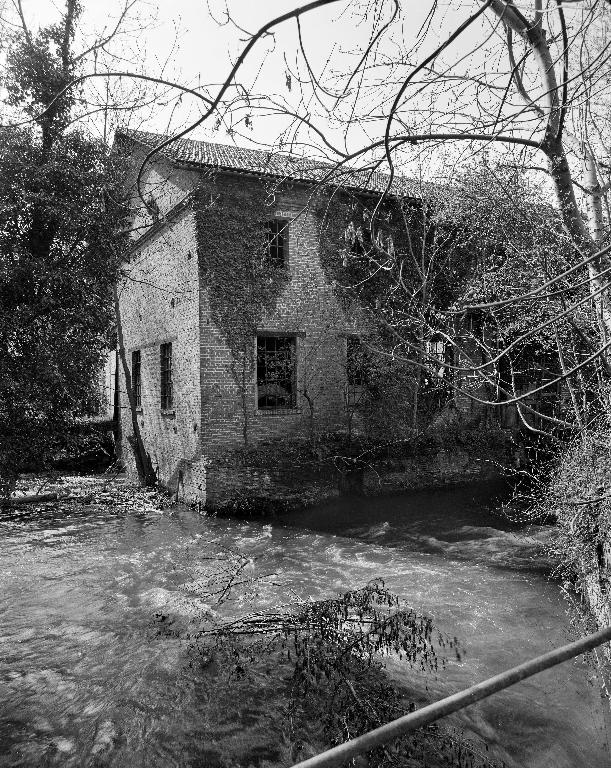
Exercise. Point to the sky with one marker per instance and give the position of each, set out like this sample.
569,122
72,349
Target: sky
187,41
193,43
190,42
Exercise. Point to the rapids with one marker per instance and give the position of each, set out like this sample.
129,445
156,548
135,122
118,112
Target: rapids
87,679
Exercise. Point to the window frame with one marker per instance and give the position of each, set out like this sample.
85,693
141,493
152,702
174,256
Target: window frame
136,371
356,386
439,355
263,339
166,389
360,379
277,232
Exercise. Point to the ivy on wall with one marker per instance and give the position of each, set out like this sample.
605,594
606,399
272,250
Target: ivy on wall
406,262
242,284
372,269
232,240
347,251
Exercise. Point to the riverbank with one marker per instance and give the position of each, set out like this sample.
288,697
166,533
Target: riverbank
35,493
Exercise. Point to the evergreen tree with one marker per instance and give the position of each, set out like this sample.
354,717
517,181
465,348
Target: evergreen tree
59,251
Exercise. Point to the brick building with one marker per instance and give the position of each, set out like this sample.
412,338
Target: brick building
232,336
198,389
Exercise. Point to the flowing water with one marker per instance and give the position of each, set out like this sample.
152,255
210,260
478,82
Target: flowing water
87,679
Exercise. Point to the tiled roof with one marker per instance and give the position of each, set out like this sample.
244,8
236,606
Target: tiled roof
269,163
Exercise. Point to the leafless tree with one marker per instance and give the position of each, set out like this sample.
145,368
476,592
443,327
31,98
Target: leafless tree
525,83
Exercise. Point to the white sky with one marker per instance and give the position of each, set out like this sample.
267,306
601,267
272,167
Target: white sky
182,40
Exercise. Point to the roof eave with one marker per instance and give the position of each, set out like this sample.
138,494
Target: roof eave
197,164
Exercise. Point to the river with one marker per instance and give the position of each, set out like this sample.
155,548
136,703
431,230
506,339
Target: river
88,679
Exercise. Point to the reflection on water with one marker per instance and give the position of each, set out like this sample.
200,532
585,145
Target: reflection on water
86,679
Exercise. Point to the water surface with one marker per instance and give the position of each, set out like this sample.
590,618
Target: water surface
87,679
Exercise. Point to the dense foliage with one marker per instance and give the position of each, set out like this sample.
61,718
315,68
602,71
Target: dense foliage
242,283
417,264
59,255
516,243
578,495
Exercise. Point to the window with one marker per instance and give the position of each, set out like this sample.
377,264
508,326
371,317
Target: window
356,362
137,377
276,372
358,373
440,354
357,239
475,323
436,348
276,235
361,240
167,390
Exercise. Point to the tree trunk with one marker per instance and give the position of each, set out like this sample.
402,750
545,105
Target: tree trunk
116,412
596,226
587,241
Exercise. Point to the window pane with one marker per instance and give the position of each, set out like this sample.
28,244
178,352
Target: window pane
276,370
276,231
167,392
137,378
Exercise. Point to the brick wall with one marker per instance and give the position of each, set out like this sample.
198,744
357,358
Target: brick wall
236,487
159,304
165,299
307,308
161,182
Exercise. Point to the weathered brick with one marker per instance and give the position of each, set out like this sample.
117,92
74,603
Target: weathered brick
165,298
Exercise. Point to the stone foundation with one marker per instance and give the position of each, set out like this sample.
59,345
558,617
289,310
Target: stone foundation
240,487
